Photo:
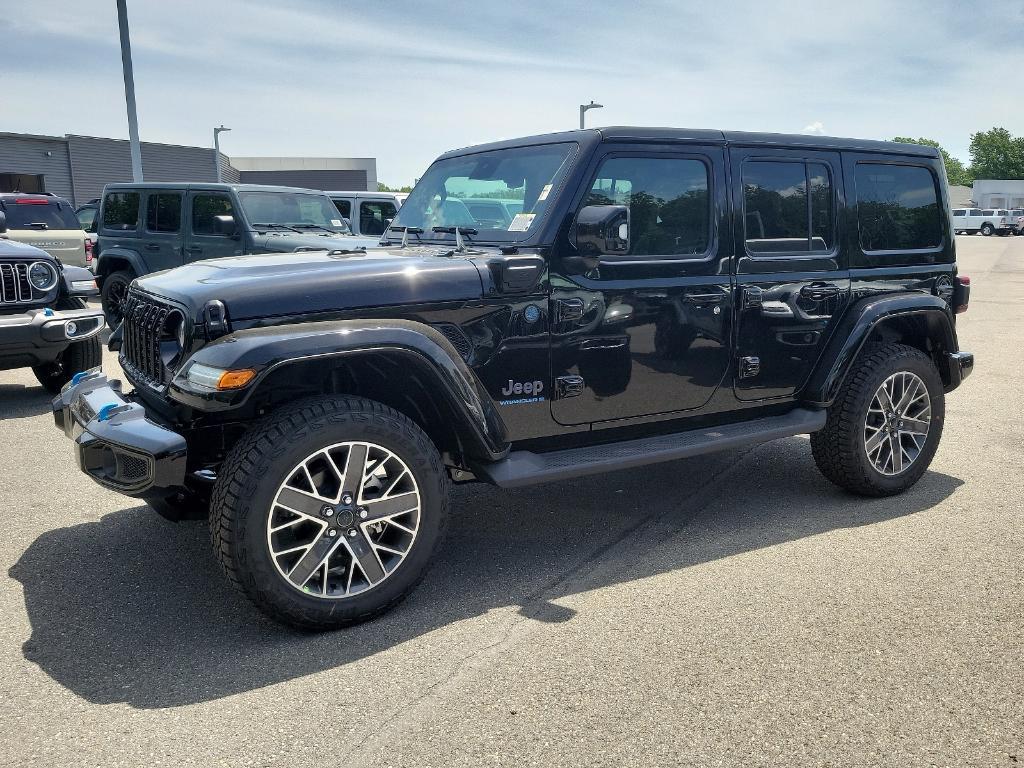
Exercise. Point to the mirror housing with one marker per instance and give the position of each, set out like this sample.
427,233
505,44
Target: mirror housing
225,225
3,222
602,230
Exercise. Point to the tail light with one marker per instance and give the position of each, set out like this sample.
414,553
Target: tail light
961,294
88,251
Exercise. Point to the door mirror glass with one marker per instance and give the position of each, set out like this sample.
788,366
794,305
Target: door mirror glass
603,230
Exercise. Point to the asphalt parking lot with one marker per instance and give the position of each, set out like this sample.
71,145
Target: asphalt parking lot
731,610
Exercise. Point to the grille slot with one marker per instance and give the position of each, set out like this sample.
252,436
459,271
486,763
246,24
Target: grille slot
140,344
14,285
457,337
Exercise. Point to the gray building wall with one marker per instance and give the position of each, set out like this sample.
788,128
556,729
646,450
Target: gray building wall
311,179
22,153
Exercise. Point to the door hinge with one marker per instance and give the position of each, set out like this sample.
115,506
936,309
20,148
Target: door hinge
569,386
568,309
752,296
749,367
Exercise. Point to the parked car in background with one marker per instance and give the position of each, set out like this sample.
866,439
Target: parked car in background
145,228
401,197
47,222
368,213
492,212
87,214
1017,221
45,324
986,221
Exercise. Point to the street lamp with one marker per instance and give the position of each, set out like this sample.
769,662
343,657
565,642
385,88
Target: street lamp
216,146
585,107
129,91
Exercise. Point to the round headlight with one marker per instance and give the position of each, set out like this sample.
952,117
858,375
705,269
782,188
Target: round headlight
174,328
42,276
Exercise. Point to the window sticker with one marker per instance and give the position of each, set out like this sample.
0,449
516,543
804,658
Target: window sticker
335,222
521,222
544,193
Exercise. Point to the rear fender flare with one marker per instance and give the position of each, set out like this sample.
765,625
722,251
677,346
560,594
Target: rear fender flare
113,255
868,316
267,350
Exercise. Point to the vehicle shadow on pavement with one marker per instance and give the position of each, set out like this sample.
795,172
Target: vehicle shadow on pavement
22,400
133,609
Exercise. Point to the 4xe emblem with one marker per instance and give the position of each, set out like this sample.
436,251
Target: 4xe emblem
522,392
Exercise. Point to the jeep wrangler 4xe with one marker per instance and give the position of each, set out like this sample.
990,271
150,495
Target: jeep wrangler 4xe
654,294
45,323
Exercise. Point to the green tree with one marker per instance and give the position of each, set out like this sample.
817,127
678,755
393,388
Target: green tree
956,172
997,154
381,187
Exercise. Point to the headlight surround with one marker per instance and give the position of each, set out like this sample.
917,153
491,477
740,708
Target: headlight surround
42,276
212,379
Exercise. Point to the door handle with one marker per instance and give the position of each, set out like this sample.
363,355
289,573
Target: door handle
703,298
152,246
819,291
193,249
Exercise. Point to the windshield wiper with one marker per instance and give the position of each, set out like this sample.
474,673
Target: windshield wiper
317,226
276,226
406,231
458,232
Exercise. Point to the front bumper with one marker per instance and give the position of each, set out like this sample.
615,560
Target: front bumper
39,335
959,365
115,443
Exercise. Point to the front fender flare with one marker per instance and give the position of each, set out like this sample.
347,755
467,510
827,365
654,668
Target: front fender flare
861,321
268,349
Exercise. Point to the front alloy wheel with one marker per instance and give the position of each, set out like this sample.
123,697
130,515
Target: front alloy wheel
344,520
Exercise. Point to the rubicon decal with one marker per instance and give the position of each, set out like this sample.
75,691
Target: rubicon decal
531,389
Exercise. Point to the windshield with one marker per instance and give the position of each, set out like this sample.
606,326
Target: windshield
40,213
292,210
501,194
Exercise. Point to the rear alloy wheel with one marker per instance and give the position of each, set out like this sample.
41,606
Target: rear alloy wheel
987,230
329,511
886,422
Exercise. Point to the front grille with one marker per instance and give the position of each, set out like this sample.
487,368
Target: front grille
14,285
140,343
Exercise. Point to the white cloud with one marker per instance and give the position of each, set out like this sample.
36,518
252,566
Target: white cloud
817,128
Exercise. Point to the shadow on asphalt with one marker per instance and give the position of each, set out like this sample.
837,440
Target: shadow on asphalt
134,609
18,401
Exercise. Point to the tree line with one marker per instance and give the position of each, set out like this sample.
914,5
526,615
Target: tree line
995,154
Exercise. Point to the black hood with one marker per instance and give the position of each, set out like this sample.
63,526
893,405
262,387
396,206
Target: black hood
275,284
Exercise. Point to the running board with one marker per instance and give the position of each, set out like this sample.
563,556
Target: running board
521,468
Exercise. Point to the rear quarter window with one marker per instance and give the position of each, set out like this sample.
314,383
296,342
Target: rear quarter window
121,211
897,207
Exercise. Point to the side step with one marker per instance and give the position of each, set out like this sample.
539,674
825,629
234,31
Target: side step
521,468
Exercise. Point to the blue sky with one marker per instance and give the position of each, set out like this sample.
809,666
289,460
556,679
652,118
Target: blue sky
404,81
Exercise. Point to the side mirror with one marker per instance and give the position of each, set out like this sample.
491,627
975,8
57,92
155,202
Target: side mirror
225,225
3,221
603,230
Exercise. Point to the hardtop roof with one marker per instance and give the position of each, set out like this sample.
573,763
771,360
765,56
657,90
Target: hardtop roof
208,186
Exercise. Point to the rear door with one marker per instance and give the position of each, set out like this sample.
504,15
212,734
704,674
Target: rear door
203,240
374,216
162,239
792,275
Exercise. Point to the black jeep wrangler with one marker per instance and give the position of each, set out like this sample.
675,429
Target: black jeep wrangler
657,294
45,323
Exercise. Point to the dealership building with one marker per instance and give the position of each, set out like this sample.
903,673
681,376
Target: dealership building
77,167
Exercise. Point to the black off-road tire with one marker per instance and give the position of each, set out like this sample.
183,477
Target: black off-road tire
256,466
80,356
838,448
112,294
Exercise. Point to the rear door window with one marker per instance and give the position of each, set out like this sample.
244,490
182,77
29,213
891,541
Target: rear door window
39,213
960,212
373,216
344,208
787,207
163,212
121,211
897,207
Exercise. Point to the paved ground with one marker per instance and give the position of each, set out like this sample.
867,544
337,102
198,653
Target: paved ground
736,610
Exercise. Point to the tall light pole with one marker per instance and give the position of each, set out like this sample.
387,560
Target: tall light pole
216,146
129,91
585,107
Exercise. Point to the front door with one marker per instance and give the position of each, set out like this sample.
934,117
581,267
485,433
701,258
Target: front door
647,332
204,240
792,275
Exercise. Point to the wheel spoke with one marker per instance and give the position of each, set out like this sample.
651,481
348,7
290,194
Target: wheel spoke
396,505
365,557
355,467
896,449
910,393
316,555
915,427
873,443
301,502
